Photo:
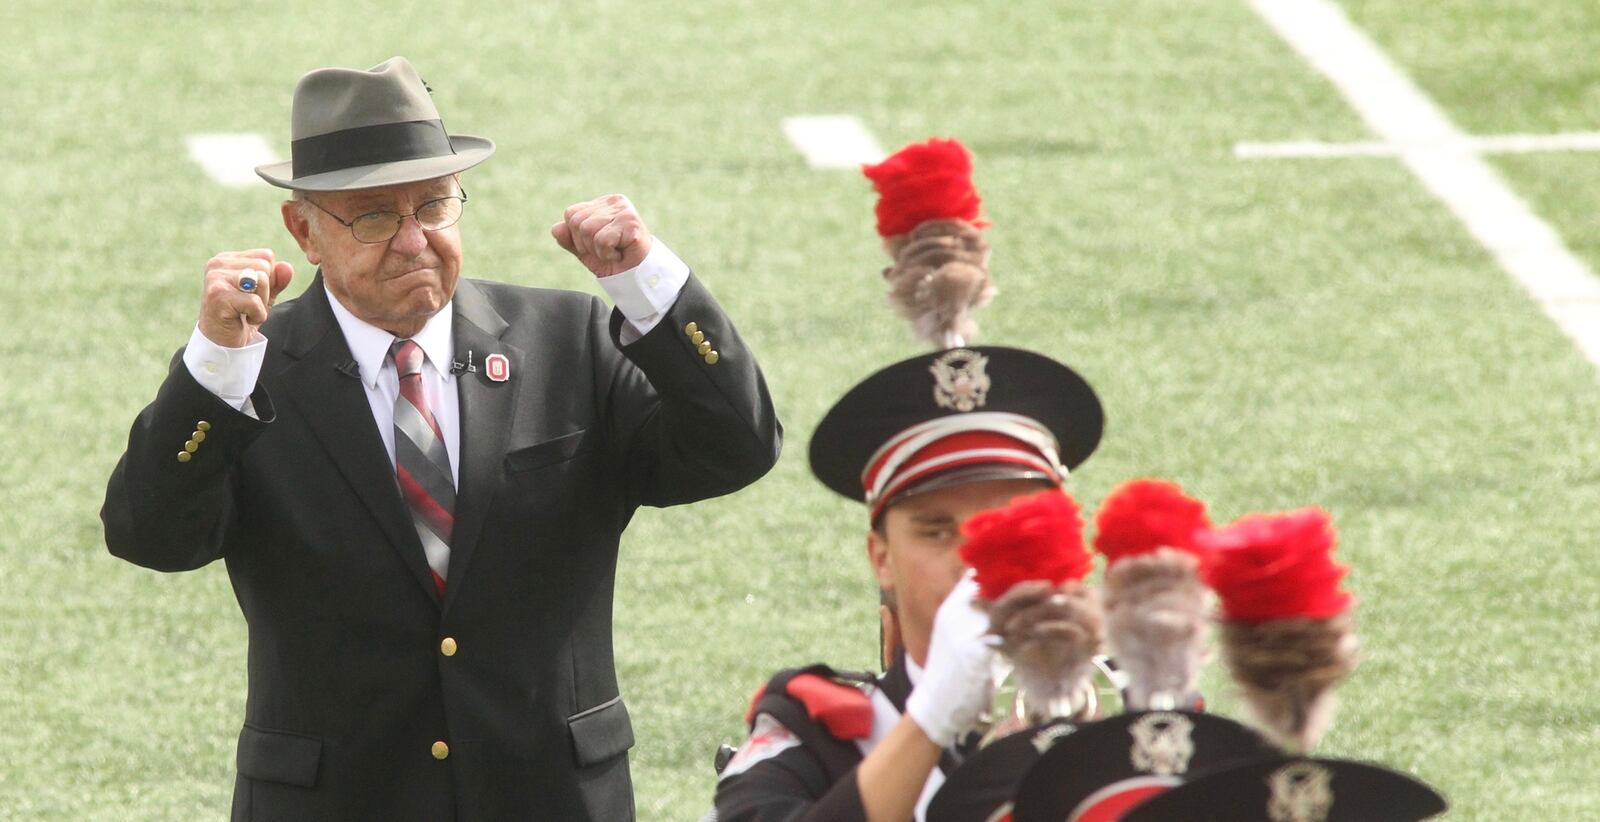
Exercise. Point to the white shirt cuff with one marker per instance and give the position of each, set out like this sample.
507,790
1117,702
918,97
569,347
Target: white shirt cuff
229,373
647,291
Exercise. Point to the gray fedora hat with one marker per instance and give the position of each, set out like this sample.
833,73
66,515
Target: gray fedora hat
362,129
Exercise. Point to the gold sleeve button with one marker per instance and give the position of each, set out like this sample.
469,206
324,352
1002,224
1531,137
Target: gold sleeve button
704,347
441,750
697,337
184,456
447,646
203,425
691,327
191,446
712,357
198,436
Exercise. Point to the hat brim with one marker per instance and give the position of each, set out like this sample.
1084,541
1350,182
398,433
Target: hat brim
969,474
469,151
1361,792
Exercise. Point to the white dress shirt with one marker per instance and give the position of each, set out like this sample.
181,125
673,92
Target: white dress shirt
643,294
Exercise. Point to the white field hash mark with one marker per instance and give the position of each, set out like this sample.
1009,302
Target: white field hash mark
833,141
1447,161
231,159
1495,144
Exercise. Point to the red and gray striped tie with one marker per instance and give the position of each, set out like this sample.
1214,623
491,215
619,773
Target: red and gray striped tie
421,464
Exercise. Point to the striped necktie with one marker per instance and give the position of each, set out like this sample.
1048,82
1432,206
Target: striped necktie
420,463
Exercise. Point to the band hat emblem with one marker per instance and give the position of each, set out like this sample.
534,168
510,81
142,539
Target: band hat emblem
1301,792
960,380
1162,743
353,129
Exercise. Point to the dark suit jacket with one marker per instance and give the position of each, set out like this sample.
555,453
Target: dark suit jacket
349,686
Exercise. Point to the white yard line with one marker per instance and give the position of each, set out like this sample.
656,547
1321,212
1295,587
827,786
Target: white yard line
1528,143
1446,161
1313,148
833,141
1493,144
231,159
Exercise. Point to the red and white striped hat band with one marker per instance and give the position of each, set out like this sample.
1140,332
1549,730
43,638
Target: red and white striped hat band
946,443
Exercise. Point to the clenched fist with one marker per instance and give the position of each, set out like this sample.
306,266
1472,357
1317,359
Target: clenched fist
606,234
229,313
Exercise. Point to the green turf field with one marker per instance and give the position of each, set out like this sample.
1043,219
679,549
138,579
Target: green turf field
1269,333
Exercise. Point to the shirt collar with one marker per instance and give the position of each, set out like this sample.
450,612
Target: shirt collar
370,344
913,671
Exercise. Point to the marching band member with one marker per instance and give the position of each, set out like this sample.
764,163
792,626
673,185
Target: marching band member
925,444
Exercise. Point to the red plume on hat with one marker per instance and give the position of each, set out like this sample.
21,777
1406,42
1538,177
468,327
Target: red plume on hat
1030,560
924,181
928,216
1276,566
1036,537
1157,610
1287,634
1142,515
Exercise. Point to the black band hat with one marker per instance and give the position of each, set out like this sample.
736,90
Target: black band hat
954,417
1103,768
1295,788
984,787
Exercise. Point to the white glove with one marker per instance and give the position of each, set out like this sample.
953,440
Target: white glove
955,687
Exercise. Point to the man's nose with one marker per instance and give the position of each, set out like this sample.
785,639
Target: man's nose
410,239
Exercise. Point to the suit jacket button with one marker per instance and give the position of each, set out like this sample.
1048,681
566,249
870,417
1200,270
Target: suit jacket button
184,456
191,446
447,646
203,425
691,327
712,357
704,347
198,436
440,750
697,337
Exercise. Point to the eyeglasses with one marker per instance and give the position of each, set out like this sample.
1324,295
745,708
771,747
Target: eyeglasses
381,226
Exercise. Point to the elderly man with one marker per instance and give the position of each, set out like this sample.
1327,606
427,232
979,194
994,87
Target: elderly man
418,481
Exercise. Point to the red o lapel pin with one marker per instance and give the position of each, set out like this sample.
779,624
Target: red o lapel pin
497,368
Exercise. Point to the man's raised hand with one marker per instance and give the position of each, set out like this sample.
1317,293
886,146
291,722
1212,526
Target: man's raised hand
229,313
606,234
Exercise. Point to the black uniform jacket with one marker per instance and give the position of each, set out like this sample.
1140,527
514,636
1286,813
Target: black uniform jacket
814,780
351,682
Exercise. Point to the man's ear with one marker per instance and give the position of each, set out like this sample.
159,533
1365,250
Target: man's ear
300,228
882,564
888,622
888,636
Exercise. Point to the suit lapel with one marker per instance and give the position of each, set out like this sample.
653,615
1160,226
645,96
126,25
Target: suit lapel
326,387
488,409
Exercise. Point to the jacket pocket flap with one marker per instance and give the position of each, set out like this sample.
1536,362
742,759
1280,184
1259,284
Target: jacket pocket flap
551,451
277,756
601,732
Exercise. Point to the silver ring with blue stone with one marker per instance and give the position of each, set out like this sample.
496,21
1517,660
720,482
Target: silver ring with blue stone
248,283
